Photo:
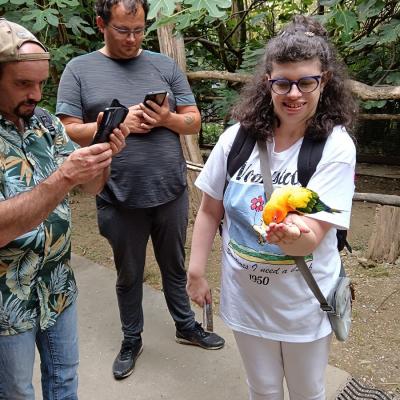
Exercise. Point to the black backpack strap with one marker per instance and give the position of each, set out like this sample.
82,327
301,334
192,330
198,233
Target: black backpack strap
309,156
45,118
241,149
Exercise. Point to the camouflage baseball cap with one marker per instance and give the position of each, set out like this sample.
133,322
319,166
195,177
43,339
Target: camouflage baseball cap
12,37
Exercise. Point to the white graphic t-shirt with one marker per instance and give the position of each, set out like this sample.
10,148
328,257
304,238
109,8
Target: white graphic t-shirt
262,291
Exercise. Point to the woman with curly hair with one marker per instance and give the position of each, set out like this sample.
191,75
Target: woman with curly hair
299,90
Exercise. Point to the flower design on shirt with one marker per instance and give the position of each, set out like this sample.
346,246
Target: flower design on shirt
257,203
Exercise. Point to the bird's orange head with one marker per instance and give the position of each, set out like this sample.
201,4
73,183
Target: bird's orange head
273,214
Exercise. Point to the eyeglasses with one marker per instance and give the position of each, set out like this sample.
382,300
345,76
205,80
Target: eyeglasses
128,32
306,84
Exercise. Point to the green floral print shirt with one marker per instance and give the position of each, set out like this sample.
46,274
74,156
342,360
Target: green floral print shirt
36,279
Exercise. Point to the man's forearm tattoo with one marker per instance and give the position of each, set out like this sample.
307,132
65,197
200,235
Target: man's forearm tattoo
189,119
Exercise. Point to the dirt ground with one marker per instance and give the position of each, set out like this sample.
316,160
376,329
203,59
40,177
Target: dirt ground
372,353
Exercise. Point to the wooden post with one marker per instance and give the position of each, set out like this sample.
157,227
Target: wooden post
384,244
173,46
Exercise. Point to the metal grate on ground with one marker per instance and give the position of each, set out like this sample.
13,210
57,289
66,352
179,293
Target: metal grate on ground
354,391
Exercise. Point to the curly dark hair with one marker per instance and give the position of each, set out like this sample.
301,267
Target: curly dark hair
302,39
103,7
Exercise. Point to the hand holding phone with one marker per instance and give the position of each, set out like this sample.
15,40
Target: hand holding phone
112,117
157,97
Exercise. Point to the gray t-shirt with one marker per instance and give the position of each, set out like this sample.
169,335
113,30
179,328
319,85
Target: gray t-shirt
151,170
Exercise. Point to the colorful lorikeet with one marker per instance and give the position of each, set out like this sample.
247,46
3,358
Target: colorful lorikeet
297,199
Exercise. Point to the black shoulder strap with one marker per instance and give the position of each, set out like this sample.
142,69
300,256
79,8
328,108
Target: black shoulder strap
241,149
45,118
309,157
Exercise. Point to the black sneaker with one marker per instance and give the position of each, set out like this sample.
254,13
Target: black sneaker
197,336
126,358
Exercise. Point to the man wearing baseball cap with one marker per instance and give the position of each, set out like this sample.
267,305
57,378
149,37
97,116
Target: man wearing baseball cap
39,165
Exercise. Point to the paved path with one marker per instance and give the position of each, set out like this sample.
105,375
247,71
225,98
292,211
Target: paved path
166,370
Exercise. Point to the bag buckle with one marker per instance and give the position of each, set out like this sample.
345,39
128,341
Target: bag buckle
327,308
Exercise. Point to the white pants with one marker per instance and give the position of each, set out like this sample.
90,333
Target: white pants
267,362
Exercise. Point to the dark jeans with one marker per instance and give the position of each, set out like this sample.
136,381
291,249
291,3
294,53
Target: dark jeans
128,231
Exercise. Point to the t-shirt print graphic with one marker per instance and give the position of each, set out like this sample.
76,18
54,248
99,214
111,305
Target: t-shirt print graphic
244,203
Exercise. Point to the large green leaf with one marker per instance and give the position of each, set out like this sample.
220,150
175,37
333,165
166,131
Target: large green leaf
348,21
41,17
187,19
39,24
390,32
64,3
393,78
181,20
31,14
164,7
364,8
77,24
213,7
364,42
50,14
370,8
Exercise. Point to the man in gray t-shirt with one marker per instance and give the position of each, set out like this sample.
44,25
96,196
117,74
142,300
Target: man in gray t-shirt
146,194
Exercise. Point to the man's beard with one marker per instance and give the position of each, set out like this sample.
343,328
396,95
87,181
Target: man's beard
26,116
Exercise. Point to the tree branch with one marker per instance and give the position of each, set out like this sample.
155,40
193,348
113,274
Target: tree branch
361,90
372,23
379,117
200,39
239,23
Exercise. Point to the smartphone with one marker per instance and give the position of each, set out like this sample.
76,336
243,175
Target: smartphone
112,117
208,316
157,97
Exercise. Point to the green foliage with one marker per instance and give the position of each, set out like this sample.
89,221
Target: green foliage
367,30
165,7
225,35
251,56
226,97
192,10
371,104
367,34
65,26
211,132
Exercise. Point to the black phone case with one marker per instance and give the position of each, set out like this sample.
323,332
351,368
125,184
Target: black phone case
112,117
157,97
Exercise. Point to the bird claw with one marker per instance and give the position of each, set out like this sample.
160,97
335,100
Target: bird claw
261,233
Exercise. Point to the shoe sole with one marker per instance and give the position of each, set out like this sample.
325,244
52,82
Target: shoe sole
128,373
188,342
